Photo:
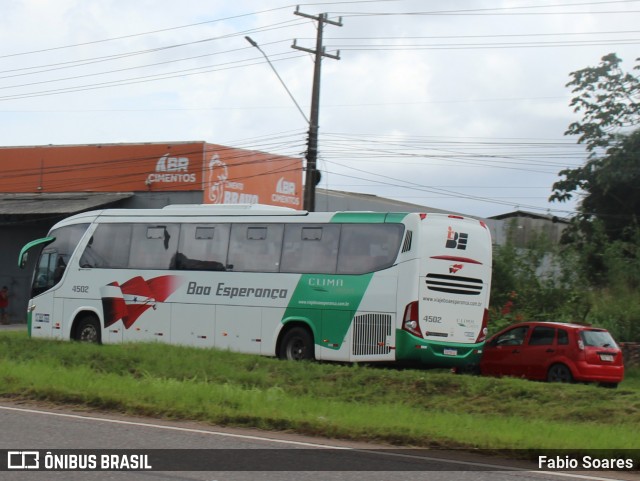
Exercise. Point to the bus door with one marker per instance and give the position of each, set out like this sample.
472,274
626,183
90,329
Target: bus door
45,306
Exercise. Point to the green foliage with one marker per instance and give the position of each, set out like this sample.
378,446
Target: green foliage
609,101
603,238
407,407
529,283
610,207
607,98
616,309
546,282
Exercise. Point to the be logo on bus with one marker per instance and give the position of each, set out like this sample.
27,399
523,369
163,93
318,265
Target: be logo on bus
456,240
128,301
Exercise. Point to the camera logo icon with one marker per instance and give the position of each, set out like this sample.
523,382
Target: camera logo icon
23,460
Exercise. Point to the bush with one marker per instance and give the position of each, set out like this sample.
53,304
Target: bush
546,282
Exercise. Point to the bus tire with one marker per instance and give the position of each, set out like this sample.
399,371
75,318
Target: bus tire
559,373
297,345
88,329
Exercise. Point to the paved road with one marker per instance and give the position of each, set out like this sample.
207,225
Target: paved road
24,427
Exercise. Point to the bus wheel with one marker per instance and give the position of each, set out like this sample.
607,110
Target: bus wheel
559,373
88,329
297,345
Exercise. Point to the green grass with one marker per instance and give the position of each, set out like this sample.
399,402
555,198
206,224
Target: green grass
404,407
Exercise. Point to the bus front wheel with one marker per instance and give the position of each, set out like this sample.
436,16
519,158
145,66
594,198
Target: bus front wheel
297,345
88,329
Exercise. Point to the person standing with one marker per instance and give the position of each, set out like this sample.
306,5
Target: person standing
4,305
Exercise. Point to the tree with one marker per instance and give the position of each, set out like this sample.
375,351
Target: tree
609,100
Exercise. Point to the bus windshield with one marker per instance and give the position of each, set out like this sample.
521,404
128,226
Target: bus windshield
55,257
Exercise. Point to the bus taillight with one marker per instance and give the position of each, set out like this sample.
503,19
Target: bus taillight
410,322
483,331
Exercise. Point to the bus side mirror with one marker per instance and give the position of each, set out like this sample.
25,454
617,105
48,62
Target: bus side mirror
24,258
24,252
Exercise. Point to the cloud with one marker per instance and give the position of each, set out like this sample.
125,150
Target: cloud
463,102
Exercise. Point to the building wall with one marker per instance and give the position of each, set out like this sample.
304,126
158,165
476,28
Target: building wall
334,201
523,230
12,238
16,231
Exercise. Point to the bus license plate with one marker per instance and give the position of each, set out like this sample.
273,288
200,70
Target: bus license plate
606,357
450,352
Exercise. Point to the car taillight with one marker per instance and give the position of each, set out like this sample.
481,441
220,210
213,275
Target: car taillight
483,332
410,322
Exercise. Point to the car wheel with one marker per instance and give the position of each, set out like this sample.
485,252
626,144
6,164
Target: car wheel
297,345
88,330
559,373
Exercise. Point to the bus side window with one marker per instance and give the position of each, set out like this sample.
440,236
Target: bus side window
153,246
255,248
108,247
203,247
368,247
310,249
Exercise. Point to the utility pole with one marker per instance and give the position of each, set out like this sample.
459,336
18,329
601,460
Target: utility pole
311,173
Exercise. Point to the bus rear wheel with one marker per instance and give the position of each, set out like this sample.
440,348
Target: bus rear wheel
297,345
88,329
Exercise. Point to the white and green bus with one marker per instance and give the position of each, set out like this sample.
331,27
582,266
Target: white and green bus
345,286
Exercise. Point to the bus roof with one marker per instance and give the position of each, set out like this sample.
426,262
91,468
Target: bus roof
253,210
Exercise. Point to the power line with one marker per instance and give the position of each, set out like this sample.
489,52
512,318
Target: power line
147,78
498,10
123,37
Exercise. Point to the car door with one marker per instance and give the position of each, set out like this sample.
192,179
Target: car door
502,355
537,353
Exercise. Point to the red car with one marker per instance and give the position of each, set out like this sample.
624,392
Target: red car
554,352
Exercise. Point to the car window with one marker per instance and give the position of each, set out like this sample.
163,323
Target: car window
597,339
542,336
563,337
513,337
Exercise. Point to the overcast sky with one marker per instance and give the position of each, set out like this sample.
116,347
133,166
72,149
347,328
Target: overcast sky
457,105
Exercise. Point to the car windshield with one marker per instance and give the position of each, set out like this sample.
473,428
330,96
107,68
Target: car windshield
597,339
